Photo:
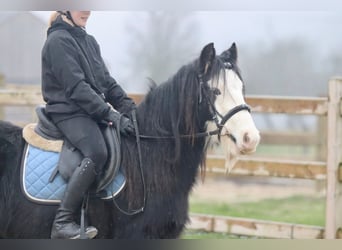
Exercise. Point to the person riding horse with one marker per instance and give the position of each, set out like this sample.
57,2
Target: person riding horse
77,88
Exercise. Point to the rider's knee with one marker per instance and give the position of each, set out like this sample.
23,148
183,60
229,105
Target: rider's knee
99,157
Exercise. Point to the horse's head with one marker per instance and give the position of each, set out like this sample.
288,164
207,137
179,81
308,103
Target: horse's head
223,89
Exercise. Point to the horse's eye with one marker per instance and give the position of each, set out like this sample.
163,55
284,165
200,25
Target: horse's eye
216,91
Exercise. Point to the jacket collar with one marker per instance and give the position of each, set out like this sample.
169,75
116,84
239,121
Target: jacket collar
59,24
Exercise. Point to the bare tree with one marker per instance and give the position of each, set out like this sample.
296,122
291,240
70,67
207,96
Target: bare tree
289,67
168,41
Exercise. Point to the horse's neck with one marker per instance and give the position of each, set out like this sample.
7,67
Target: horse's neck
163,171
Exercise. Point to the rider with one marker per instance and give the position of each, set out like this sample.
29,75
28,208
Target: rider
76,87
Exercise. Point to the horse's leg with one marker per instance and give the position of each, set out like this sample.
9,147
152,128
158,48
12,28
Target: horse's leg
99,215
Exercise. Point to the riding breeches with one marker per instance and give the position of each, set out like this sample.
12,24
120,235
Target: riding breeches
84,134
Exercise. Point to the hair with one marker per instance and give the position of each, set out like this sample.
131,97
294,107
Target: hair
53,17
56,14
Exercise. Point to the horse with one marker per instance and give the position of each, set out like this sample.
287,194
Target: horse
200,106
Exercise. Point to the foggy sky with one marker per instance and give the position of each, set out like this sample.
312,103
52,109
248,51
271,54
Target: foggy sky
253,29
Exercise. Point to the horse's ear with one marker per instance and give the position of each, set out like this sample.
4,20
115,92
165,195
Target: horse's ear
207,57
230,54
233,52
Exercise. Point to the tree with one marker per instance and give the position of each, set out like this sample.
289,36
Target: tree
287,68
168,41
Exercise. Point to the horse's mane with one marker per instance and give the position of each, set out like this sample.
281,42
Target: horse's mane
173,109
10,135
11,145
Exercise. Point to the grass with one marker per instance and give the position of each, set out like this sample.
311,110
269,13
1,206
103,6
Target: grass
192,234
286,151
296,209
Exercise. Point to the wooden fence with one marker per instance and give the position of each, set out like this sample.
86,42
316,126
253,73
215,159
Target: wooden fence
329,169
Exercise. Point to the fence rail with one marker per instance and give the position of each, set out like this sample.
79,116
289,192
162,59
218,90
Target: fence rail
255,228
289,105
263,104
250,166
330,169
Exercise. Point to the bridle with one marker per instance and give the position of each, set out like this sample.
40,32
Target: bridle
214,113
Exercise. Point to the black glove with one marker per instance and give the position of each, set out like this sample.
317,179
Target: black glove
126,125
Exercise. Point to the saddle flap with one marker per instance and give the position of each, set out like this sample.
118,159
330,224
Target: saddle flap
114,157
70,158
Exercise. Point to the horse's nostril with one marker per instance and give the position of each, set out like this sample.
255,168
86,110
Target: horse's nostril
246,138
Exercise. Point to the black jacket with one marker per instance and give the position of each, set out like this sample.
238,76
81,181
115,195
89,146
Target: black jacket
74,76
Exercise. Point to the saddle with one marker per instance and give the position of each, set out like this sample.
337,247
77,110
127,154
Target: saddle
46,136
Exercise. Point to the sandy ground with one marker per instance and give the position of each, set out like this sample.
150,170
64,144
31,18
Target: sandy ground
243,189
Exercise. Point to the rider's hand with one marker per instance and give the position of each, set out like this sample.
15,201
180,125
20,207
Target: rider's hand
126,126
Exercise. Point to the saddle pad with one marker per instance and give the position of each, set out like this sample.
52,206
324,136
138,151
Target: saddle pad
34,139
37,168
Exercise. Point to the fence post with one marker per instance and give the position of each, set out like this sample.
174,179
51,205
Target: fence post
333,217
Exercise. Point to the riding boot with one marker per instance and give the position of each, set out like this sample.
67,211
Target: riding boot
64,226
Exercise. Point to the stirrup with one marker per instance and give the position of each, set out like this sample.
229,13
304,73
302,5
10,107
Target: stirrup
62,231
90,233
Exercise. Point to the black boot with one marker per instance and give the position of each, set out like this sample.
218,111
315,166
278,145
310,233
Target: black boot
64,226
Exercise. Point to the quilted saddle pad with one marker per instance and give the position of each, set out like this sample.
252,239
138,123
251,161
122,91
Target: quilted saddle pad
37,168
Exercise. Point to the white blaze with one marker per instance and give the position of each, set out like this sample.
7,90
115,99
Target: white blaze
241,126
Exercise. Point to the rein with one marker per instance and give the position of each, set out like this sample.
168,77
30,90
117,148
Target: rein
217,131
137,137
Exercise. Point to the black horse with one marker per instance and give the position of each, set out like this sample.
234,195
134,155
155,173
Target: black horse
174,120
